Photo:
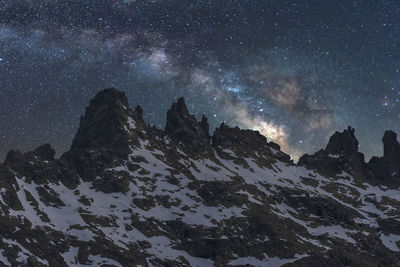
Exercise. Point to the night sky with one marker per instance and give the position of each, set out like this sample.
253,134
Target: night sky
294,70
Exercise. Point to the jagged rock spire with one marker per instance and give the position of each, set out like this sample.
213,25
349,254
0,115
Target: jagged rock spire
104,135
204,124
391,147
184,127
104,121
138,113
343,143
341,154
386,169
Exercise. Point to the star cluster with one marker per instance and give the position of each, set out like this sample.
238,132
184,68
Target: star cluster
294,70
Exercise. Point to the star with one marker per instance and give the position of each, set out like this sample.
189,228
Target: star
279,66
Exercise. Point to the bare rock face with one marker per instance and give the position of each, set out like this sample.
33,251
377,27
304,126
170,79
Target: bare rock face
103,124
183,127
341,154
386,169
7,184
391,148
344,143
231,137
127,195
205,126
247,142
45,152
106,132
40,166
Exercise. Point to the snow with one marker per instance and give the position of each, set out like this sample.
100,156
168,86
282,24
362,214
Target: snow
21,257
97,260
70,257
24,253
333,231
228,151
285,211
203,172
155,184
390,241
28,212
267,261
82,235
3,258
60,217
250,197
162,247
131,123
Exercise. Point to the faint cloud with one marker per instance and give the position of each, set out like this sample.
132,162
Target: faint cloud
296,93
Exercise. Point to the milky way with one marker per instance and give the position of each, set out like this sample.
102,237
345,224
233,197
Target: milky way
294,70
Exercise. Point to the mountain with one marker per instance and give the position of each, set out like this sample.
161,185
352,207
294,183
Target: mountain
127,194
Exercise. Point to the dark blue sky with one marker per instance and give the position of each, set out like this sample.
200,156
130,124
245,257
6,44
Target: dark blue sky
295,70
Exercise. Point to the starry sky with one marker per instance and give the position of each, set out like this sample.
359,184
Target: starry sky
294,70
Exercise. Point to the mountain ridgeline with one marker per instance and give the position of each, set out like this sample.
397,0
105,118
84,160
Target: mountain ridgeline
128,194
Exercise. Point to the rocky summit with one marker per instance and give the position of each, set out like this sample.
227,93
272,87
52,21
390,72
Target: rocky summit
127,194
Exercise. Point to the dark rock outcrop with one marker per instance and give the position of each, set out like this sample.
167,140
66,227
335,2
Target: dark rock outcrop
183,127
391,147
341,154
205,126
103,124
386,169
8,184
106,132
344,143
239,200
226,136
37,164
45,152
41,167
246,140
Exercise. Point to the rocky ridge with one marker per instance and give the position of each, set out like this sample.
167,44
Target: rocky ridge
127,194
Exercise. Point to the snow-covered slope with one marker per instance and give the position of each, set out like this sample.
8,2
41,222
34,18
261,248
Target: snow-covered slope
130,195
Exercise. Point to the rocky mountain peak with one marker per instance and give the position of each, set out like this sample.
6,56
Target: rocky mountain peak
242,203
46,152
138,112
386,169
105,134
42,153
247,142
183,126
109,96
179,106
391,147
341,154
38,165
104,120
343,142
204,124
234,136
